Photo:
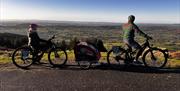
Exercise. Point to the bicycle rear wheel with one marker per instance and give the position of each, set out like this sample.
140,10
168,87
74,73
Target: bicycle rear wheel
115,59
57,57
22,57
155,58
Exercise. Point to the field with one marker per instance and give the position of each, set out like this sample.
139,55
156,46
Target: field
164,35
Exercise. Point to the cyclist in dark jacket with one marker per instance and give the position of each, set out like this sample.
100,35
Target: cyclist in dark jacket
33,39
128,34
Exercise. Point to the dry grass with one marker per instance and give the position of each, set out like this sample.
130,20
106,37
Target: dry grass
175,55
173,61
5,57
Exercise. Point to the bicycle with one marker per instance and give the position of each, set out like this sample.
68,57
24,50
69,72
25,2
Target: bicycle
24,57
153,57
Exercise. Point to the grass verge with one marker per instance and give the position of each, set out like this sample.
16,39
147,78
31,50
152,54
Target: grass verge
173,61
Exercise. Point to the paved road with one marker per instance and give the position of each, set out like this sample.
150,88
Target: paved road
101,78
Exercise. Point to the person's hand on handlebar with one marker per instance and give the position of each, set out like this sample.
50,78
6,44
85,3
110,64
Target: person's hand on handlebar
149,37
51,38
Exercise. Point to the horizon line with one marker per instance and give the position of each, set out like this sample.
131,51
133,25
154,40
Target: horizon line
76,21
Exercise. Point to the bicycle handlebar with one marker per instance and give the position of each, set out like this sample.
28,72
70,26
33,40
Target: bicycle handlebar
52,38
149,38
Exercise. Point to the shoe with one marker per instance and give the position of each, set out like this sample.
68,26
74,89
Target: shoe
137,62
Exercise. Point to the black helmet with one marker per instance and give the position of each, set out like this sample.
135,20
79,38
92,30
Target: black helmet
131,18
33,25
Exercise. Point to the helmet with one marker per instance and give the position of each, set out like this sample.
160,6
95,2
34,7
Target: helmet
131,18
33,25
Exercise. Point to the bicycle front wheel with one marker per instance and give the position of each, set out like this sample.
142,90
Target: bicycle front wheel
22,57
155,58
57,57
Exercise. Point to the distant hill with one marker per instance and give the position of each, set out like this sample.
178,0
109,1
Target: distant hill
54,23
9,40
165,35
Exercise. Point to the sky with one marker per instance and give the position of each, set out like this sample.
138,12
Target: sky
146,11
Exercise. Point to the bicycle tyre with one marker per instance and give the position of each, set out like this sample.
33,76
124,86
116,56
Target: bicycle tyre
17,57
85,61
160,53
115,60
59,59
84,64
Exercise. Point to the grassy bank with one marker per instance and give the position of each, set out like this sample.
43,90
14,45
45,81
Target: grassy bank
173,61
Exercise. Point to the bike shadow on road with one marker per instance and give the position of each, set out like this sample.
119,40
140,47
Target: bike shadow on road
130,68
137,69
105,66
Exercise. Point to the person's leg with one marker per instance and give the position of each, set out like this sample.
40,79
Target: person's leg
138,53
128,43
35,53
135,45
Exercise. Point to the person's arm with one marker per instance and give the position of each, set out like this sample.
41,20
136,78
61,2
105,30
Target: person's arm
137,30
42,40
29,38
37,37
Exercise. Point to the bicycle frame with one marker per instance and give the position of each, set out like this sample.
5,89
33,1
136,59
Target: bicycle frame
143,47
50,45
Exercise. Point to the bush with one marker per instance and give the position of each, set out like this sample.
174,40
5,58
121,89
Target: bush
9,40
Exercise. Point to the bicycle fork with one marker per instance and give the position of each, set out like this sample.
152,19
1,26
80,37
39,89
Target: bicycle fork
153,58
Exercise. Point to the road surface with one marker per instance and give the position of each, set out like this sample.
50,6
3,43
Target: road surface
98,78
